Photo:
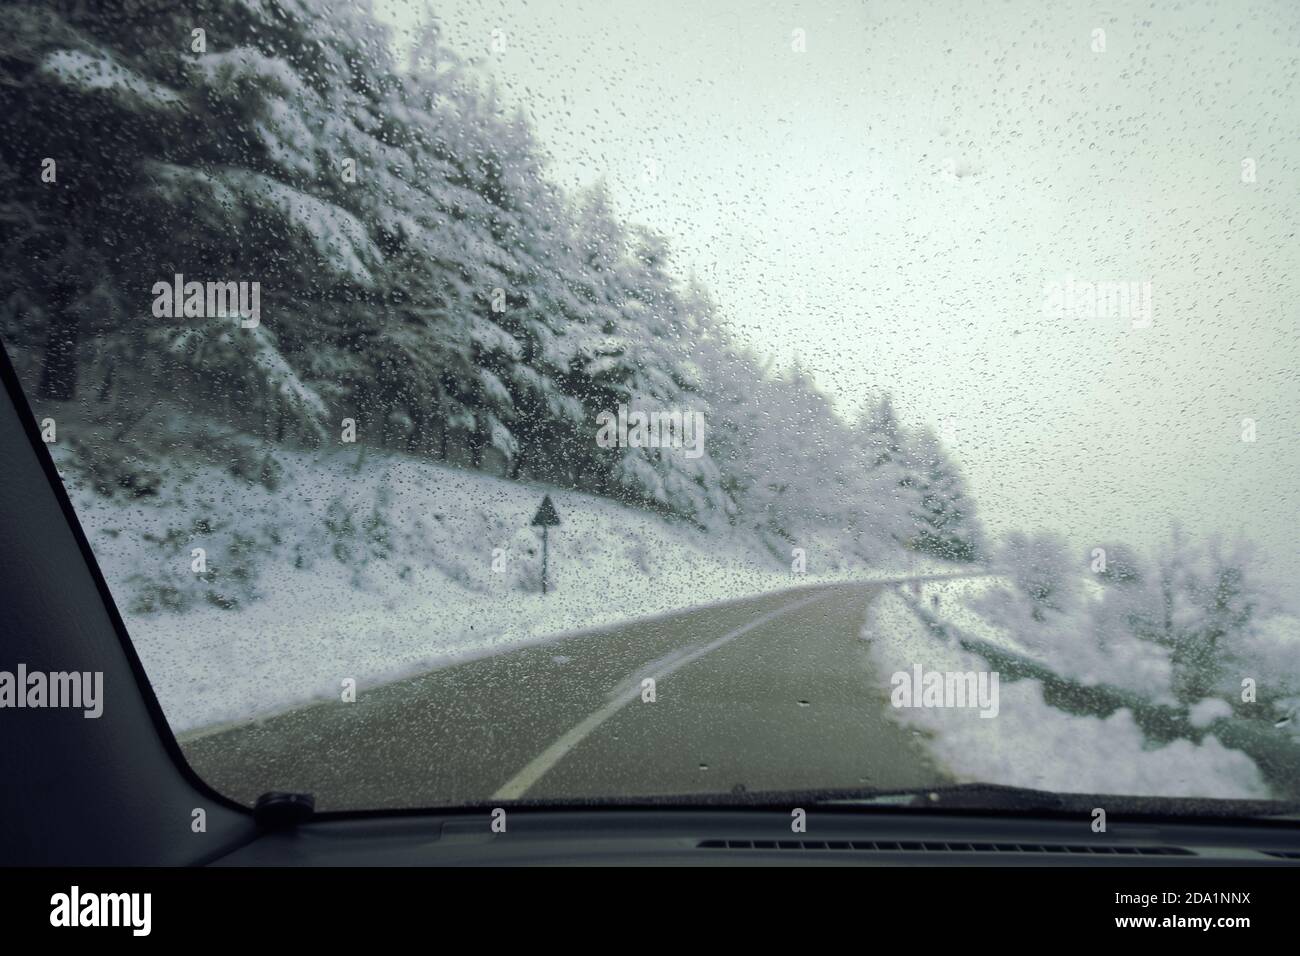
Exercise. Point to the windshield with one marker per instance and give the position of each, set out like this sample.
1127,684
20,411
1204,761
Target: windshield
480,401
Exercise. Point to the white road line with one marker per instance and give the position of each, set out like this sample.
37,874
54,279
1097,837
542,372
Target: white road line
624,693
633,681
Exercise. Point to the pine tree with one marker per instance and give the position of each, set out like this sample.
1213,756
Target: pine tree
942,513
224,146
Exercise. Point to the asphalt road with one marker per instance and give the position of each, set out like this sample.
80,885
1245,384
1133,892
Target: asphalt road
769,693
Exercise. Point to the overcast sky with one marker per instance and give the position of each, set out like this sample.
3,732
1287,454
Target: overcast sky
890,203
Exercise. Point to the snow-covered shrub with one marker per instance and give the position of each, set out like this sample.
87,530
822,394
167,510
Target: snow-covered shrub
114,469
1043,572
1184,627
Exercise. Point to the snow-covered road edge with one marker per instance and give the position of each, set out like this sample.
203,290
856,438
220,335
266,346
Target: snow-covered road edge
1031,744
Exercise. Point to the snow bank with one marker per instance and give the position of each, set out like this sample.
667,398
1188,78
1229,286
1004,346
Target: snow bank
1031,744
990,610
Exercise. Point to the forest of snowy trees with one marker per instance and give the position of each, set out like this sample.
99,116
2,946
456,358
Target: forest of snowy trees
419,274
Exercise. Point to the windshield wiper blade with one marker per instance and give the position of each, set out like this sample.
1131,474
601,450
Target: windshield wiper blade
994,796
976,796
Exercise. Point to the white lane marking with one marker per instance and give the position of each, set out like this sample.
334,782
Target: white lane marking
624,693
656,668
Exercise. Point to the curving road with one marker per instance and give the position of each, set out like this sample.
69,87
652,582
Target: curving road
768,693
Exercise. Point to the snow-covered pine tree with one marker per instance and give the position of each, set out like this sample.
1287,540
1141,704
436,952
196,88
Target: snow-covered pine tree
880,433
174,159
634,351
77,114
942,512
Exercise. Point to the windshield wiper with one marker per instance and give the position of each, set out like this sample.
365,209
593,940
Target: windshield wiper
972,796
994,796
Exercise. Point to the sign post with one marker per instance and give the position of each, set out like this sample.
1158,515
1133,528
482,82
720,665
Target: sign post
546,518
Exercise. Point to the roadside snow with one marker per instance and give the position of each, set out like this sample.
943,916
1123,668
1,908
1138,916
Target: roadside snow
988,609
1031,744
1207,711
951,601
